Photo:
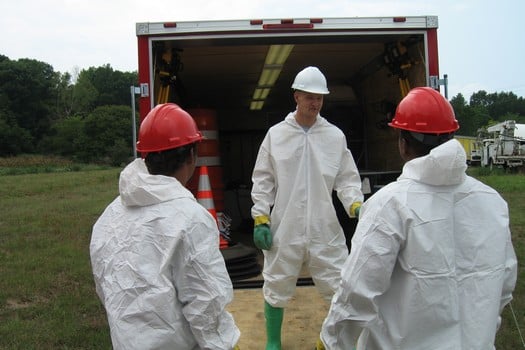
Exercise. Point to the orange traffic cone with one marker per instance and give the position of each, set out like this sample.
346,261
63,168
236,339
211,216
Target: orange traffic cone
205,198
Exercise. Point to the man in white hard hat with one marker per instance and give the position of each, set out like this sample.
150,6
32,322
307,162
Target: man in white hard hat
432,264
300,162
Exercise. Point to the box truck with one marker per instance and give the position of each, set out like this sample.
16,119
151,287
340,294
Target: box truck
235,77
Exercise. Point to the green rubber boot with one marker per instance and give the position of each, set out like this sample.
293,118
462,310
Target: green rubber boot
274,320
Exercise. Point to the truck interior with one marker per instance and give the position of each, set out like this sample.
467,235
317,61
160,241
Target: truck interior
367,75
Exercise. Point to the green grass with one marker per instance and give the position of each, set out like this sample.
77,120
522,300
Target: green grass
34,164
47,295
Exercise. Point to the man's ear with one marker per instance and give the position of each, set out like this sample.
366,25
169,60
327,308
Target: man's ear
295,96
403,148
192,158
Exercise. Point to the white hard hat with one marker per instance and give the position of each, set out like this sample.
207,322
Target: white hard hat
311,80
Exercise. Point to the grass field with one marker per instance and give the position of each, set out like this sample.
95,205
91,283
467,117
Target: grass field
47,296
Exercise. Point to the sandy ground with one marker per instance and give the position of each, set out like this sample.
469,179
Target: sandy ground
301,325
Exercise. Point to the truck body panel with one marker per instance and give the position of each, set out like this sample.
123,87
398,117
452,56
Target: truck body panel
220,66
471,146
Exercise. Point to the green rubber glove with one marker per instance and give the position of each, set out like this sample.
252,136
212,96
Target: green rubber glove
262,236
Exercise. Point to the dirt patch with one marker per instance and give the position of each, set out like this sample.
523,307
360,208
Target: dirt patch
302,322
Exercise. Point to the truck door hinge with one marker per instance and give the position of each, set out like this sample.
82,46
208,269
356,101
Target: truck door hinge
144,90
435,83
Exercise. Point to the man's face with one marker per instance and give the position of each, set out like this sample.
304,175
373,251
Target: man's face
308,104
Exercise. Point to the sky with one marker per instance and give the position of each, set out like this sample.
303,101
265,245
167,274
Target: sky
481,44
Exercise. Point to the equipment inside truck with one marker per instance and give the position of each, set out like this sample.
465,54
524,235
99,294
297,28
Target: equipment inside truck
363,78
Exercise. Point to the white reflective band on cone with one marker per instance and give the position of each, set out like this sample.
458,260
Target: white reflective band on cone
210,134
209,161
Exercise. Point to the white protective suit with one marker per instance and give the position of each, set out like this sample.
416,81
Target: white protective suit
431,265
295,173
158,269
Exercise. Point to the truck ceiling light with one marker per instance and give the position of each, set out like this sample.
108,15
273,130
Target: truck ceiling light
260,93
269,77
273,64
278,54
256,105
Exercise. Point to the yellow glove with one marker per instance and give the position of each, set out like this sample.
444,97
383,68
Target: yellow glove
236,347
354,209
319,345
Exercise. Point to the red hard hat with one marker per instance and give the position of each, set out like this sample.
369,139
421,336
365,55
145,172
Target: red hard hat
165,127
424,110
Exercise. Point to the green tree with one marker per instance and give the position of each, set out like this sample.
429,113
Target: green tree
65,138
84,96
13,139
503,103
466,116
64,96
107,136
485,109
480,118
112,87
28,90
498,104
460,105
480,98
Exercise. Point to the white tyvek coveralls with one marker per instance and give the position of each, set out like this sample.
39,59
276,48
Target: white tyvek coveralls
158,269
296,172
431,265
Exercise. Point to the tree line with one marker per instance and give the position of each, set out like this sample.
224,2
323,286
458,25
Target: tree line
86,116
485,109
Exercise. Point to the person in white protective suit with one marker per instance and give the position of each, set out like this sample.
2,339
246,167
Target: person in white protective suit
432,263
301,161
155,250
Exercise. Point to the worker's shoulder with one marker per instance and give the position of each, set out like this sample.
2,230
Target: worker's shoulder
189,208
476,187
325,124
